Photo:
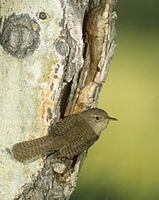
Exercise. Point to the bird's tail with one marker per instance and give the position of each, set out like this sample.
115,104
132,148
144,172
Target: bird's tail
27,150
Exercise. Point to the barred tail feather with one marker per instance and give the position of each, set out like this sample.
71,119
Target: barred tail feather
27,150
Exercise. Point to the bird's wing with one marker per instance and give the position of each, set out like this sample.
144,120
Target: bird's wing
79,138
65,125
77,146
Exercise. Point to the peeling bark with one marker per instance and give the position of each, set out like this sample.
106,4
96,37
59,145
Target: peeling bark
39,84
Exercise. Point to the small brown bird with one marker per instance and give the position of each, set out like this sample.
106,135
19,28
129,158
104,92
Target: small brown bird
71,136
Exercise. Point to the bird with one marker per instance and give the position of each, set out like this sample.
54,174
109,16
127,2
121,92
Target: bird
69,137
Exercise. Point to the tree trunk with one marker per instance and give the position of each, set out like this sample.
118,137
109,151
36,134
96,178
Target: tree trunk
54,58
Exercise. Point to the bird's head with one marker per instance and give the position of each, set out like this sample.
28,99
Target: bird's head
97,118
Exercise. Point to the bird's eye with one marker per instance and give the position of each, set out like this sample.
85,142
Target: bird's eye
97,118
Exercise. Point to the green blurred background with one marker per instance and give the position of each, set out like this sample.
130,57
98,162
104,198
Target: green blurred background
124,163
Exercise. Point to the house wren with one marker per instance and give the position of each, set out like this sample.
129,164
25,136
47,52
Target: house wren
71,136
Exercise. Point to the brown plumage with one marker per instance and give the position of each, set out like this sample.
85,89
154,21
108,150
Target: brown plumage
71,136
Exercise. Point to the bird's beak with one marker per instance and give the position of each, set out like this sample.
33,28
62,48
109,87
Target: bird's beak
112,118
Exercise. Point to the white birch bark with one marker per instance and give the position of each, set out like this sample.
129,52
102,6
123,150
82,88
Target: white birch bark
54,68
